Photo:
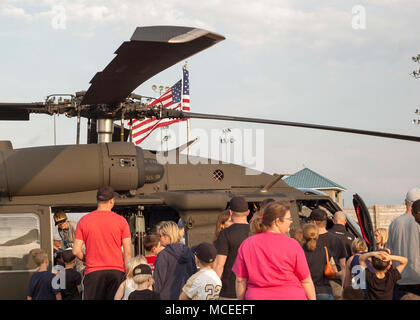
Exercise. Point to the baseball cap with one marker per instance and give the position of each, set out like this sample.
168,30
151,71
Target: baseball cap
60,217
318,215
413,194
105,193
238,204
205,252
142,269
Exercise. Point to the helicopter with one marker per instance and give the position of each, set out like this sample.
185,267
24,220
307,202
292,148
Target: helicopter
66,177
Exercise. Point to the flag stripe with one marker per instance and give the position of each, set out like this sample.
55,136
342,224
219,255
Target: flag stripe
177,97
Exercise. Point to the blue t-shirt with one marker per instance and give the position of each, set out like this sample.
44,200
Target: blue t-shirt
40,286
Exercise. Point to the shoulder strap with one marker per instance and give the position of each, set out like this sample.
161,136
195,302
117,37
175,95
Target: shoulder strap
326,253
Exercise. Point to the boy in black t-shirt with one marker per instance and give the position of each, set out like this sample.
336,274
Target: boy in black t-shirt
380,284
41,282
142,277
73,278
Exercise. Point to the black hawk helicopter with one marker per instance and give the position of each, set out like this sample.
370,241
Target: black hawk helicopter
39,181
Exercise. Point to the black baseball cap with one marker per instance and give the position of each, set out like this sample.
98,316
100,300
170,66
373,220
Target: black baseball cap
318,215
205,252
238,204
142,269
105,194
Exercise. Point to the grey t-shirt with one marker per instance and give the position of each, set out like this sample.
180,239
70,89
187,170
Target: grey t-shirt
404,240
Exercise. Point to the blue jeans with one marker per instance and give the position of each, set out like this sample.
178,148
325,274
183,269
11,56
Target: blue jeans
324,296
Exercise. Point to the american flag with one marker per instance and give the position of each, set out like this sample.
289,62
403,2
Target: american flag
186,89
172,99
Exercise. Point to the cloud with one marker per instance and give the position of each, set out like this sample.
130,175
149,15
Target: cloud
14,12
286,24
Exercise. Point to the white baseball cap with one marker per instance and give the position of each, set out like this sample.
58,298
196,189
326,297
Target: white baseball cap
413,194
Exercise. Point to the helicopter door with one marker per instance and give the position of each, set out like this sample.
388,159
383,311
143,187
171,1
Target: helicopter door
365,222
22,229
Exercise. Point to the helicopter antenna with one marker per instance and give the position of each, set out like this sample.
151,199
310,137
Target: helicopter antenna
122,126
277,178
78,128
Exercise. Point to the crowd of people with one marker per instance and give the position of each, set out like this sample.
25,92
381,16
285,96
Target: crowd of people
252,258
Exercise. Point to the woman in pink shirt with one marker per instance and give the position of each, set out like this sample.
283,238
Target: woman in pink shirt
269,264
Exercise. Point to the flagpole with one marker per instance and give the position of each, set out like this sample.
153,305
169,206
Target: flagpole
188,136
188,120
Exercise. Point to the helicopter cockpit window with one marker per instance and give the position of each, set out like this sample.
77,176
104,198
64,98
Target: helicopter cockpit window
305,208
19,234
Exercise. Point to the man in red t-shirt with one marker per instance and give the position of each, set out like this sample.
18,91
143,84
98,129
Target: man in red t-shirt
103,232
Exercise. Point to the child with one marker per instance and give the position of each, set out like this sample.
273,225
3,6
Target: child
152,247
380,283
354,273
58,250
128,285
40,284
142,277
204,284
73,278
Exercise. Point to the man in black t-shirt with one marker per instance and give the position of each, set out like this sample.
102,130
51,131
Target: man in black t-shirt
339,229
227,245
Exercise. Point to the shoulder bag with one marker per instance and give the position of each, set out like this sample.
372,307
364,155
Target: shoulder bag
328,269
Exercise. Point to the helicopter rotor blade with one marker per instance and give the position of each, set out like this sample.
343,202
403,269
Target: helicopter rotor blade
19,111
301,125
149,51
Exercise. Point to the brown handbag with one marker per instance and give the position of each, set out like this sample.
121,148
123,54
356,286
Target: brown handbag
328,269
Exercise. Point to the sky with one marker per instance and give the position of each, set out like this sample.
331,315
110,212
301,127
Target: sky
339,63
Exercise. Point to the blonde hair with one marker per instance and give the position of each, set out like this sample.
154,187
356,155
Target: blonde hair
274,210
171,230
39,256
311,234
134,262
384,235
358,245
